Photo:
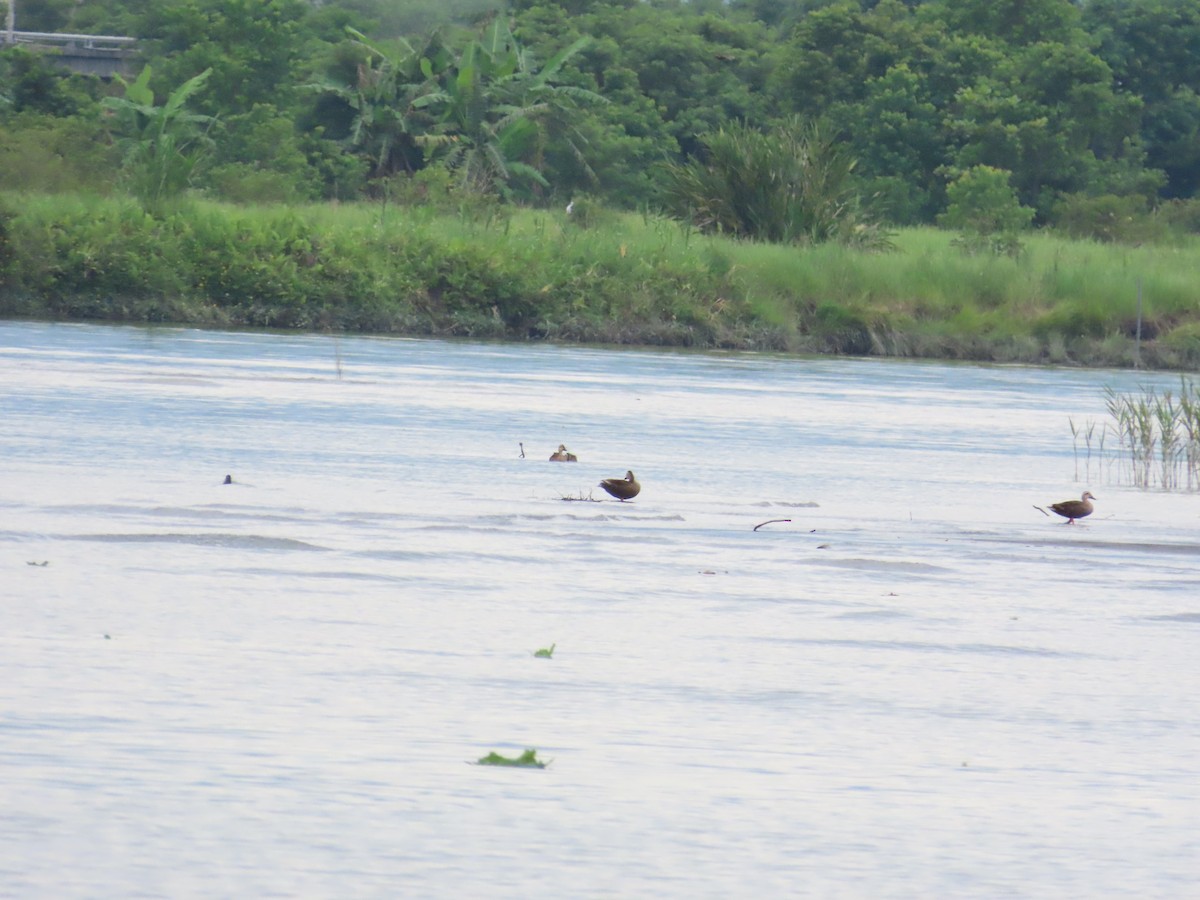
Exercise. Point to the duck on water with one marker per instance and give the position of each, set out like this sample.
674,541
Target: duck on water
622,488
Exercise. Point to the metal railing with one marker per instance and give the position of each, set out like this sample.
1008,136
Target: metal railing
70,41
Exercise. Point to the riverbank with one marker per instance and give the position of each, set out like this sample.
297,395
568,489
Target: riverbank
607,278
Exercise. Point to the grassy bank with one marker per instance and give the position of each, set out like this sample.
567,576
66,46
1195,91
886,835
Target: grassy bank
631,279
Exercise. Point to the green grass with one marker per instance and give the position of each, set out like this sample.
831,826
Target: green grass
630,279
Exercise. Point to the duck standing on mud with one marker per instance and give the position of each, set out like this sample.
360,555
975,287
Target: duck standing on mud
622,488
1072,509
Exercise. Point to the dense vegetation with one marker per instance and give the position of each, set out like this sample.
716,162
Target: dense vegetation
1011,124
515,273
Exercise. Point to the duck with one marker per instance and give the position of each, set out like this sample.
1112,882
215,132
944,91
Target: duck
1074,509
622,488
563,455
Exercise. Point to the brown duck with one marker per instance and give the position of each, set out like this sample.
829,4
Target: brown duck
563,455
622,488
1073,509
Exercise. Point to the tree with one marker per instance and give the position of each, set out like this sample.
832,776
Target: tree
162,145
251,46
493,108
1151,47
984,207
389,97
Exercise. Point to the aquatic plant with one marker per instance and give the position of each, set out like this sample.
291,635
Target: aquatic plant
527,760
545,652
1158,436
579,497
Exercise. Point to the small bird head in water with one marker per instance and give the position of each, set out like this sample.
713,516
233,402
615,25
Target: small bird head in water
228,480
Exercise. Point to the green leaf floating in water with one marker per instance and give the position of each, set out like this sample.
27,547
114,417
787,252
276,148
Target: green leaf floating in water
528,760
545,652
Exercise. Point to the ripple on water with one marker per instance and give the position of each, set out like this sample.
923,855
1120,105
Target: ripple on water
233,541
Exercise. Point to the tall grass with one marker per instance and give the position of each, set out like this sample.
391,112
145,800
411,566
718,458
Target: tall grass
490,271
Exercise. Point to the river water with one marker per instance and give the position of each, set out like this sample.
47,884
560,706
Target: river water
917,685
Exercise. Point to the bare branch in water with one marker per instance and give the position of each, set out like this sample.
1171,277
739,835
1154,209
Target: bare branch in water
769,522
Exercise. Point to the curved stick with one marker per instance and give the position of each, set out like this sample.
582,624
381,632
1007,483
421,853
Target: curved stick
768,522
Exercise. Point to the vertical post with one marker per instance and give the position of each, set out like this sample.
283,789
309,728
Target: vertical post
1137,347
10,22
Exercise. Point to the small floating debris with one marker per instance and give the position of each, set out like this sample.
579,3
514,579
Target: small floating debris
527,760
545,652
588,499
42,564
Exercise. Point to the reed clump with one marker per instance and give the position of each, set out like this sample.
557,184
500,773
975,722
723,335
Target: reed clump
1157,436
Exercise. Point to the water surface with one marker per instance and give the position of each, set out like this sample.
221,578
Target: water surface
917,686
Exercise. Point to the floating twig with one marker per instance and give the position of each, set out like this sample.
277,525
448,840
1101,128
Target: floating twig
769,522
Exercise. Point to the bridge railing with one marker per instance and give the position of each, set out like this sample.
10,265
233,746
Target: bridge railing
68,41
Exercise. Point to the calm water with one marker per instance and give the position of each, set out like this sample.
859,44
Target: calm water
919,686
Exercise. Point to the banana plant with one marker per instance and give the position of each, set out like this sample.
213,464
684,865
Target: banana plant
162,145
389,97
493,108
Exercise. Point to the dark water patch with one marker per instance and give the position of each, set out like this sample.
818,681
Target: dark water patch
874,615
891,567
453,555
575,517
230,541
1119,546
292,573
399,555
204,512
789,504
22,536
927,647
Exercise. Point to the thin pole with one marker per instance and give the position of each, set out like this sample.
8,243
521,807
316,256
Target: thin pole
1138,343
11,19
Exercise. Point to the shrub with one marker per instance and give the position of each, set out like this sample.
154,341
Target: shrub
1108,218
791,186
983,206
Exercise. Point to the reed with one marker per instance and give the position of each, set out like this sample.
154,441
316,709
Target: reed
1157,436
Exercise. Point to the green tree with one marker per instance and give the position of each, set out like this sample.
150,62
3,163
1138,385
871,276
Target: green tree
1151,47
251,46
983,206
162,145
493,109
391,90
